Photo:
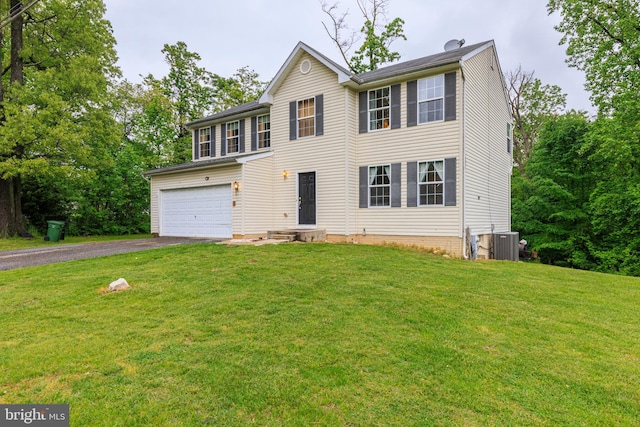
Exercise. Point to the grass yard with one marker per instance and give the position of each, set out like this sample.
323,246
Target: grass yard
320,334
38,241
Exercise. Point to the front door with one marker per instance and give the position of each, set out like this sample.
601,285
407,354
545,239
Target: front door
307,198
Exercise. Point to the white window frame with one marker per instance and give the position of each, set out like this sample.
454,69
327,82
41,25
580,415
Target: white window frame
264,131
233,138
431,90
509,145
310,117
374,185
424,182
204,143
380,112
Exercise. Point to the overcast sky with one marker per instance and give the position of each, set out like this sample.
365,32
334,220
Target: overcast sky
261,34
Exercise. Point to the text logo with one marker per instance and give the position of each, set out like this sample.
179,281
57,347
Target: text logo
34,415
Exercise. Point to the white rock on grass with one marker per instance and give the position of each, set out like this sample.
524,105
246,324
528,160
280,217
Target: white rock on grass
119,285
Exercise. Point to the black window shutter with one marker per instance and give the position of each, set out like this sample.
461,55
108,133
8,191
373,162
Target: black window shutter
223,139
450,96
293,120
254,133
213,141
363,109
412,184
395,107
396,185
196,144
241,136
319,115
450,182
412,103
364,186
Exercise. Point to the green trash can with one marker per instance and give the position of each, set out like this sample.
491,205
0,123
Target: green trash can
54,231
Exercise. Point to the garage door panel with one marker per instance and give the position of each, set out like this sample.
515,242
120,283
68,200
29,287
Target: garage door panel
197,212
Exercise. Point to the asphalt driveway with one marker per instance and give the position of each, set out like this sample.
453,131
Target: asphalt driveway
10,260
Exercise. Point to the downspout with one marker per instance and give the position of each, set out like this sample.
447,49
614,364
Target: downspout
464,163
242,200
347,165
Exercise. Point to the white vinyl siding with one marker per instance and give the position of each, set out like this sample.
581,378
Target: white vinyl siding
326,156
191,179
411,144
488,165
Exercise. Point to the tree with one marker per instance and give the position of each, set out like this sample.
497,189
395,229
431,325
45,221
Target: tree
603,40
244,86
54,119
378,36
550,202
532,103
187,93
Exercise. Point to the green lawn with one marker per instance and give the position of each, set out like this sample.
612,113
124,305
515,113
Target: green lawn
22,243
320,334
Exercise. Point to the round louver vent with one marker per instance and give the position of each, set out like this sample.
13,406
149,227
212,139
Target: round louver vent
305,66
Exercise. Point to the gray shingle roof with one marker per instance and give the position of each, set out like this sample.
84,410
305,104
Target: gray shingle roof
240,109
423,63
199,164
390,71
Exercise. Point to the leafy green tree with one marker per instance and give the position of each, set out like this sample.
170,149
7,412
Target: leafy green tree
603,40
186,93
377,33
532,103
550,202
54,98
244,86
190,93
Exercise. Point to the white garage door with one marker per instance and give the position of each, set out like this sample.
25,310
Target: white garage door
196,212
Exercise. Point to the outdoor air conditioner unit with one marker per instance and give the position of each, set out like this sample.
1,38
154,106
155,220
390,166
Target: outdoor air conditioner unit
505,246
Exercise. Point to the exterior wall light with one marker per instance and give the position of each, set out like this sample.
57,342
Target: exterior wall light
285,174
236,185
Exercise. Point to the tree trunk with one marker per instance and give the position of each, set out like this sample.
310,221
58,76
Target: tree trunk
10,208
17,65
11,188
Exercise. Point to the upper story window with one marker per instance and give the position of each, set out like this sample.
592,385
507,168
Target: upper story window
306,117
204,142
509,138
233,137
264,131
380,185
431,183
431,99
379,108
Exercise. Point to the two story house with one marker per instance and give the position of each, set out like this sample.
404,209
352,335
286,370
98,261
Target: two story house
416,153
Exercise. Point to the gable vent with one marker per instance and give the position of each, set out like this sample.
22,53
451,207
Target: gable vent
305,66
